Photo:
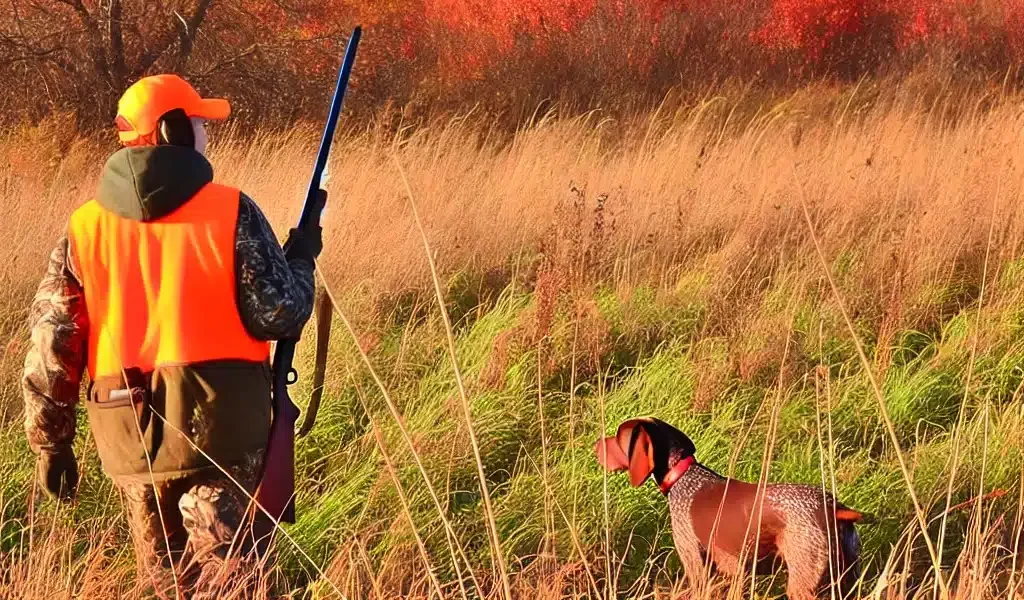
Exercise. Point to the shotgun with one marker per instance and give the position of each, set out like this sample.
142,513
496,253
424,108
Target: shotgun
276,490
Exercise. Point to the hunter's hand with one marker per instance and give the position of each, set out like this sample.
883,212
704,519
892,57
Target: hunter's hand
57,471
307,243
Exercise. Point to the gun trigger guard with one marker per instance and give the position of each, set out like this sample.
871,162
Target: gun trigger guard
292,377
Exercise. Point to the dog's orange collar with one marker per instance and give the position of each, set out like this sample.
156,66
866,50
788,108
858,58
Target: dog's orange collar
675,473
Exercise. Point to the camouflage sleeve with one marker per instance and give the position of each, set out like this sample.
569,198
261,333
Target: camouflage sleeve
275,296
56,356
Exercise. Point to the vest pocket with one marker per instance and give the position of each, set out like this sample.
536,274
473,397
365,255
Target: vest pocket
115,424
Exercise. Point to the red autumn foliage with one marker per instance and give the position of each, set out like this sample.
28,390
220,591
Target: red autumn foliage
813,25
277,59
1014,26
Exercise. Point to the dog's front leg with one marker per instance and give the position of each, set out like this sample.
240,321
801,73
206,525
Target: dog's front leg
696,567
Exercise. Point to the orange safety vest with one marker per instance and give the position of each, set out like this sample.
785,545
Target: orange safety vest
163,292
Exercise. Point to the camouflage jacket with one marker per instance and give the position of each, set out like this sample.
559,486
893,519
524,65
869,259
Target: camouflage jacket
275,299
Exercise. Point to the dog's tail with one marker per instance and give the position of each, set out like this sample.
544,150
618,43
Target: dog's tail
849,545
853,516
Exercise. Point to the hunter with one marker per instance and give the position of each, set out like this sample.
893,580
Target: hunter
167,288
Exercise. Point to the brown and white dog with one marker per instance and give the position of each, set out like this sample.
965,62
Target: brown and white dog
716,517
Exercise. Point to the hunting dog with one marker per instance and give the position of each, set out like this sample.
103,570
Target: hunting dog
722,518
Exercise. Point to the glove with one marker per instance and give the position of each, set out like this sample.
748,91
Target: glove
304,244
307,243
57,472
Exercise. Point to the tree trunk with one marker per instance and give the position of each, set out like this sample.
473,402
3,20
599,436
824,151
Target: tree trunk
187,33
118,71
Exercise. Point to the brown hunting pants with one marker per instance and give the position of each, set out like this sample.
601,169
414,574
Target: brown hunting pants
202,532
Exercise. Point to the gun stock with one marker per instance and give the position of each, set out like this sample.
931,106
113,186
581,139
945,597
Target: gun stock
276,491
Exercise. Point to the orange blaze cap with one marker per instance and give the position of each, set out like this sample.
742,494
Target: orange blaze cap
150,98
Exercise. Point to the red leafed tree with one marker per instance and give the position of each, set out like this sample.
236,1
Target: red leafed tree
923,20
1013,24
814,27
481,32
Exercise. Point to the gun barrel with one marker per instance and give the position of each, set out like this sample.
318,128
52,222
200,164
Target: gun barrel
332,123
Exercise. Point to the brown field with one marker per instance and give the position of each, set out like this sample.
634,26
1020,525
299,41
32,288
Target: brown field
915,197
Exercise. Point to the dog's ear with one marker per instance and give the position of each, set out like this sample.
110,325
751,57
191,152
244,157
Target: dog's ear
624,434
610,455
641,459
631,448
613,451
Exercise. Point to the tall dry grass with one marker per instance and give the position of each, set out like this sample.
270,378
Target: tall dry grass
907,182
914,199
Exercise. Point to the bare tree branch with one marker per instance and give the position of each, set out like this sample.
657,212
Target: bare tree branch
187,29
230,61
116,33
149,58
187,32
96,50
253,49
35,57
28,50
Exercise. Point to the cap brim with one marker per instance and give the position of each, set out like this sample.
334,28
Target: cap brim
214,109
